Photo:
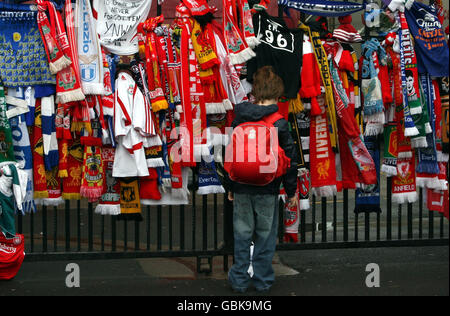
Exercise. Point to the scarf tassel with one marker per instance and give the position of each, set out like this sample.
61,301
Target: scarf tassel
242,57
325,191
107,209
406,197
389,171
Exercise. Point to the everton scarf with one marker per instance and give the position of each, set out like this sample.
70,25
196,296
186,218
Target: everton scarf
130,203
322,8
208,180
368,197
322,159
404,183
20,43
429,38
428,162
89,51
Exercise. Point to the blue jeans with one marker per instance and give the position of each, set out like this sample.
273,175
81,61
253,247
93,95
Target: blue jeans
255,217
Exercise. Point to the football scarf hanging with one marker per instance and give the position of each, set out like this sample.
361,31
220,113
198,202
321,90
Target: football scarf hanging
208,180
404,183
130,205
89,51
40,182
55,53
410,77
68,83
93,173
109,203
72,183
390,153
235,43
50,143
20,27
322,7
10,195
322,160
368,197
23,153
116,23
429,38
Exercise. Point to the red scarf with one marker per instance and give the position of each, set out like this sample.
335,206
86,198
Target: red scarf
404,183
72,182
55,53
322,159
157,98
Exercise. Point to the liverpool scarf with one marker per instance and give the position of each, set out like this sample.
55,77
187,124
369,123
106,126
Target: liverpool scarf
130,204
109,203
390,153
68,83
322,159
157,97
72,183
235,42
89,51
368,196
404,183
55,53
93,173
322,60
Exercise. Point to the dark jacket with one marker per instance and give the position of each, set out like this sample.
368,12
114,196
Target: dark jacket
248,112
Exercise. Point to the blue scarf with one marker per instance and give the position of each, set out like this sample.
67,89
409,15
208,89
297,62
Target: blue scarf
322,7
368,198
23,61
428,162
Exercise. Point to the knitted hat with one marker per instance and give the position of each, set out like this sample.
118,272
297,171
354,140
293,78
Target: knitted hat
346,32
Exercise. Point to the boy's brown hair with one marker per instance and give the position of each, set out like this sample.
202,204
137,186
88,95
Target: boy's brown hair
267,85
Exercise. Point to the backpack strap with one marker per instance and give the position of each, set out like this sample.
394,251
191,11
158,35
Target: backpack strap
272,118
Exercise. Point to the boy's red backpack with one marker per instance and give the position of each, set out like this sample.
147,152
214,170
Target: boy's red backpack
253,155
11,256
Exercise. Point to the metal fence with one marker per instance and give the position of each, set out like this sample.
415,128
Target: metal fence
203,229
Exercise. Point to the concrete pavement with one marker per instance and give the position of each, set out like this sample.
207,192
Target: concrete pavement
403,271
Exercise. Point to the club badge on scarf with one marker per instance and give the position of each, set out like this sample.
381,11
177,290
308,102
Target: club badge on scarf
404,183
322,159
130,205
109,203
390,153
368,198
93,175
